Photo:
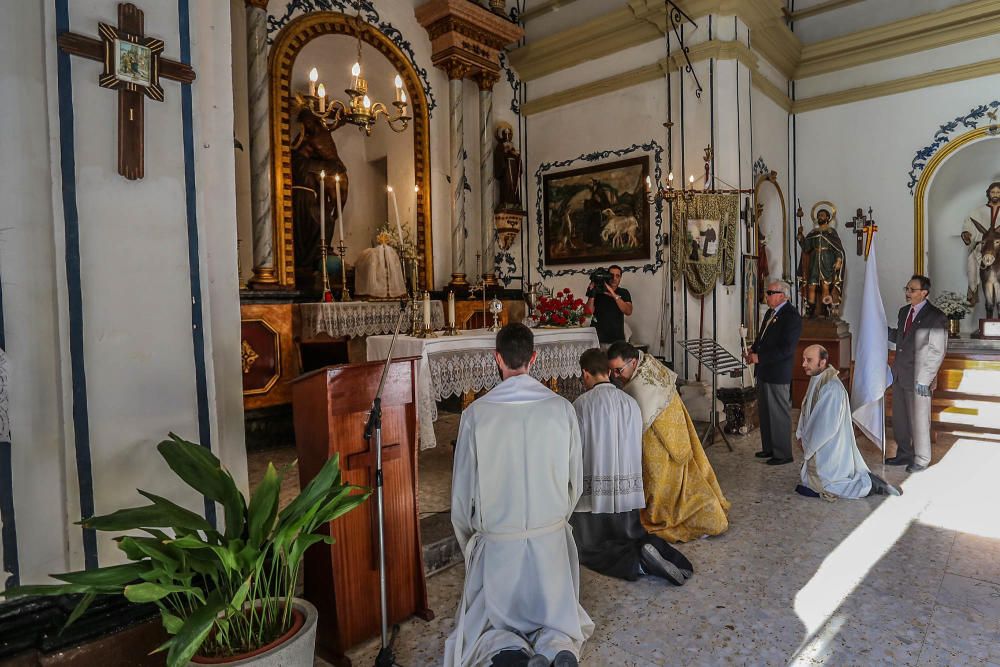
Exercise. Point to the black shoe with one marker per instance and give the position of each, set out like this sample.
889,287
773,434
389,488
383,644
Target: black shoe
565,659
510,658
899,461
763,455
671,555
774,461
915,467
656,564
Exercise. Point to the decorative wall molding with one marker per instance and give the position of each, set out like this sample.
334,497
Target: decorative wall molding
946,133
371,15
642,21
714,49
905,84
656,152
822,8
544,8
920,33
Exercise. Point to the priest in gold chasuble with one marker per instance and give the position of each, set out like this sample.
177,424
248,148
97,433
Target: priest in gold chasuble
683,498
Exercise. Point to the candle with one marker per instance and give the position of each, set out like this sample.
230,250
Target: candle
649,184
322,208
427,310
670,180
451,309
321,93
395,208
313,78
340,212
400,95
355,73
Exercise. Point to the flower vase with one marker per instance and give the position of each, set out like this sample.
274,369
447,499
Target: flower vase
954,325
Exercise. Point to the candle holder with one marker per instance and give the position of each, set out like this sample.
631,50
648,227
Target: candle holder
452,331
324,253
345,294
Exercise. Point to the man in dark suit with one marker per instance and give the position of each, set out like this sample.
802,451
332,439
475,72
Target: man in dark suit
921,338
774,353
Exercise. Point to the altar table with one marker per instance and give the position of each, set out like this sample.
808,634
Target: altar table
453,365
358,318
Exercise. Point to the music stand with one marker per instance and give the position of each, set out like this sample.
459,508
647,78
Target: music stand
716,359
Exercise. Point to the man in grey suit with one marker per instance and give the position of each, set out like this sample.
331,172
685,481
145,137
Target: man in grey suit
921,338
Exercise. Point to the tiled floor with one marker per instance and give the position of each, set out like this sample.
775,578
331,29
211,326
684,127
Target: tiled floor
913,580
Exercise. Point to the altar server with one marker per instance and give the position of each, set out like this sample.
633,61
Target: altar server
518,475
606,524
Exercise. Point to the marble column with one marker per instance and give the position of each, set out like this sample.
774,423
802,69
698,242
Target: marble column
456,128
486,81
260,145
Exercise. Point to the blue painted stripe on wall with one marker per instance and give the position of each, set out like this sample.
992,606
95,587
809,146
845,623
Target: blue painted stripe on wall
81,418
197,316
8,535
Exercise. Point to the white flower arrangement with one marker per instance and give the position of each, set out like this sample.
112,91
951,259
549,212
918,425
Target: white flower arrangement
953,305
405,246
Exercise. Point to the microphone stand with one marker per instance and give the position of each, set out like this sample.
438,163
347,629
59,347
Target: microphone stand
373,429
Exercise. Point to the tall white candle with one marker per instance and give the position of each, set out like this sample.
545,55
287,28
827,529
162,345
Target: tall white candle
451,309
322,207
321,94
427,310
340,210
395,209
313,78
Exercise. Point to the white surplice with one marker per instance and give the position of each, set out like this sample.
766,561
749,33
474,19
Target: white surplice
611,428
833,465
517,478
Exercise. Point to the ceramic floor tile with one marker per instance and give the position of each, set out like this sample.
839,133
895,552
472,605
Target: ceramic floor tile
963,593
936,656
976,557
966,632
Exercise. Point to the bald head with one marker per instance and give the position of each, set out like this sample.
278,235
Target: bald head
815,359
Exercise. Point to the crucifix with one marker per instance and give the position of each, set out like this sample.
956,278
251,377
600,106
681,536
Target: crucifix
864,229
133,67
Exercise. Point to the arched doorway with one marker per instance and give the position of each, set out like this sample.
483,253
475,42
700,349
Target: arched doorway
286,48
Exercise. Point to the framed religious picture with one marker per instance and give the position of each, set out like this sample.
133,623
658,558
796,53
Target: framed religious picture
133,62
597,213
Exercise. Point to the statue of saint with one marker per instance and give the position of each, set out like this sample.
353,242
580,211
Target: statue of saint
507,169
821,268
313,151
972,236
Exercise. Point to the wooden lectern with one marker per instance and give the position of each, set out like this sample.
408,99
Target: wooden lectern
331,408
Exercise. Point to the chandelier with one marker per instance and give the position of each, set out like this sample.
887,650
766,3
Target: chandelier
360,109
687,192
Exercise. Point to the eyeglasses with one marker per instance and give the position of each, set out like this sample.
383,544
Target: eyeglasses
910,289
619,370
772,292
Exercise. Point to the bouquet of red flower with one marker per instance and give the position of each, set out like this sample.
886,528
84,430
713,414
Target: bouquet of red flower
561,310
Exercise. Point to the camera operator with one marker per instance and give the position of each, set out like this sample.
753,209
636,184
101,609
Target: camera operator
609,303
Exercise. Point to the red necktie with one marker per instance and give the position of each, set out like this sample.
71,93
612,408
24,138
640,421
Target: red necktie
909,322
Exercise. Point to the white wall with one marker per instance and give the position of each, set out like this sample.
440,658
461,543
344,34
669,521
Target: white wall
859,155
135,279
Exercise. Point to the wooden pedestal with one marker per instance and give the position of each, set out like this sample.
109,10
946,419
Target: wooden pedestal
835,336
330,411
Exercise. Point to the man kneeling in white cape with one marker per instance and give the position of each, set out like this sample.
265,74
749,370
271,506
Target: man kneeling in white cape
833,466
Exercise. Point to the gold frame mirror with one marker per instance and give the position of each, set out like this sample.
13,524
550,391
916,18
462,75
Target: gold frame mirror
758,210
286,48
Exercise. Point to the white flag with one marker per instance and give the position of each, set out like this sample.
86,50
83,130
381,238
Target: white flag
871,366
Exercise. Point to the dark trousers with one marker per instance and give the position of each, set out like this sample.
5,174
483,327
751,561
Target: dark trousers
774,406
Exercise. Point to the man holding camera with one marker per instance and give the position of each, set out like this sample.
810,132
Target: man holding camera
609,303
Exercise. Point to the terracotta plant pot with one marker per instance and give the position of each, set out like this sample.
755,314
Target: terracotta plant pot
295,648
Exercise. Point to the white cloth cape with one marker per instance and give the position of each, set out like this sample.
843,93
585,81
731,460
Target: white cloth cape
518,474
653,386
378,273
832,460
611,429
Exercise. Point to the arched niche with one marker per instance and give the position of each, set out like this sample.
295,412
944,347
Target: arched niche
288,45
771,215
955,186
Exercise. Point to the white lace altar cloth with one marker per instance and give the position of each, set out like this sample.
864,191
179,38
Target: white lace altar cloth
453,365
359,318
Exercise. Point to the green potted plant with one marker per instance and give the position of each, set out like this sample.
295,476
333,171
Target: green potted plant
225,596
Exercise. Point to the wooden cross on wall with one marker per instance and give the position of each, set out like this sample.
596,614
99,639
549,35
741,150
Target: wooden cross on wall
133,67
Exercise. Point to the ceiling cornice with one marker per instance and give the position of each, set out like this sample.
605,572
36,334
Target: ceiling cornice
920,33
714,49
642,21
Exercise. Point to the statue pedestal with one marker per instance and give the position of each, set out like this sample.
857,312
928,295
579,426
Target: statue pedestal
835,336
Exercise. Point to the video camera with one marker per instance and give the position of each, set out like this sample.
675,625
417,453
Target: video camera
600,277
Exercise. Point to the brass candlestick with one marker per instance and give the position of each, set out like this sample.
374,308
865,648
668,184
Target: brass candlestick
345,294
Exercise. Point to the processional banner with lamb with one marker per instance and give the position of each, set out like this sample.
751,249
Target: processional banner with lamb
597,213
703,248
